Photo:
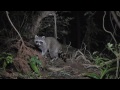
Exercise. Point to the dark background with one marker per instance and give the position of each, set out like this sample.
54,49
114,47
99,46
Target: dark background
81,29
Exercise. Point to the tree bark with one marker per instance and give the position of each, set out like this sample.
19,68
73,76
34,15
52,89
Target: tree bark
36,22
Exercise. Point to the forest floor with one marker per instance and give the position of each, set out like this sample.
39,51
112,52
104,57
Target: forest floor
71,69
74,67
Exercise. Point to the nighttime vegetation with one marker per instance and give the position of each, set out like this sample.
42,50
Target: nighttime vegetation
88,40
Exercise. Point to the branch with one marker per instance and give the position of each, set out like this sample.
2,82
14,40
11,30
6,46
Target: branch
68,47
118,23
115,18
55,20
14,26
106,30
53,13
40,17
84,58
114,33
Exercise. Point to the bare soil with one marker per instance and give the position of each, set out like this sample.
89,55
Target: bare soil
74,67
71,69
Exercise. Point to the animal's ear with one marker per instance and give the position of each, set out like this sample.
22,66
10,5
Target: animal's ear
43,37
36,36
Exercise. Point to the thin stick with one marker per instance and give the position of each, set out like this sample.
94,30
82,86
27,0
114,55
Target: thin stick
14,26
91,66
68,47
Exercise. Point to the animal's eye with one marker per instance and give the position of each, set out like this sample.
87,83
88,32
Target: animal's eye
41,42
36,41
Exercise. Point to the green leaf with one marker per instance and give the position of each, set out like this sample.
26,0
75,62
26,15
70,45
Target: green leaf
34,67
93,75
110,45
34,61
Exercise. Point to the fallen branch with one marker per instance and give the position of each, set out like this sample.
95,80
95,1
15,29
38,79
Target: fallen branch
91,66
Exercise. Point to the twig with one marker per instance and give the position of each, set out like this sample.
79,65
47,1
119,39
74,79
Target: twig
105,63
84,48
82,55
25,16
91,66
68,47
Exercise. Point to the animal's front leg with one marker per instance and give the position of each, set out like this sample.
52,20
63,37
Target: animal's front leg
44,51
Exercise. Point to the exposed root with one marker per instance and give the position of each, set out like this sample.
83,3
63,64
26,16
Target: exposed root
24,54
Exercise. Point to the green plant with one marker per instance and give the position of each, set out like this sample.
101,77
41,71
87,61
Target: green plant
105,68
115,49
6,59
104,73
35,63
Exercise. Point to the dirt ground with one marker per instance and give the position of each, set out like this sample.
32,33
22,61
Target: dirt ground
74,67
71,69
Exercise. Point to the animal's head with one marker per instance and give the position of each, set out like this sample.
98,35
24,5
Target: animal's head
39,41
